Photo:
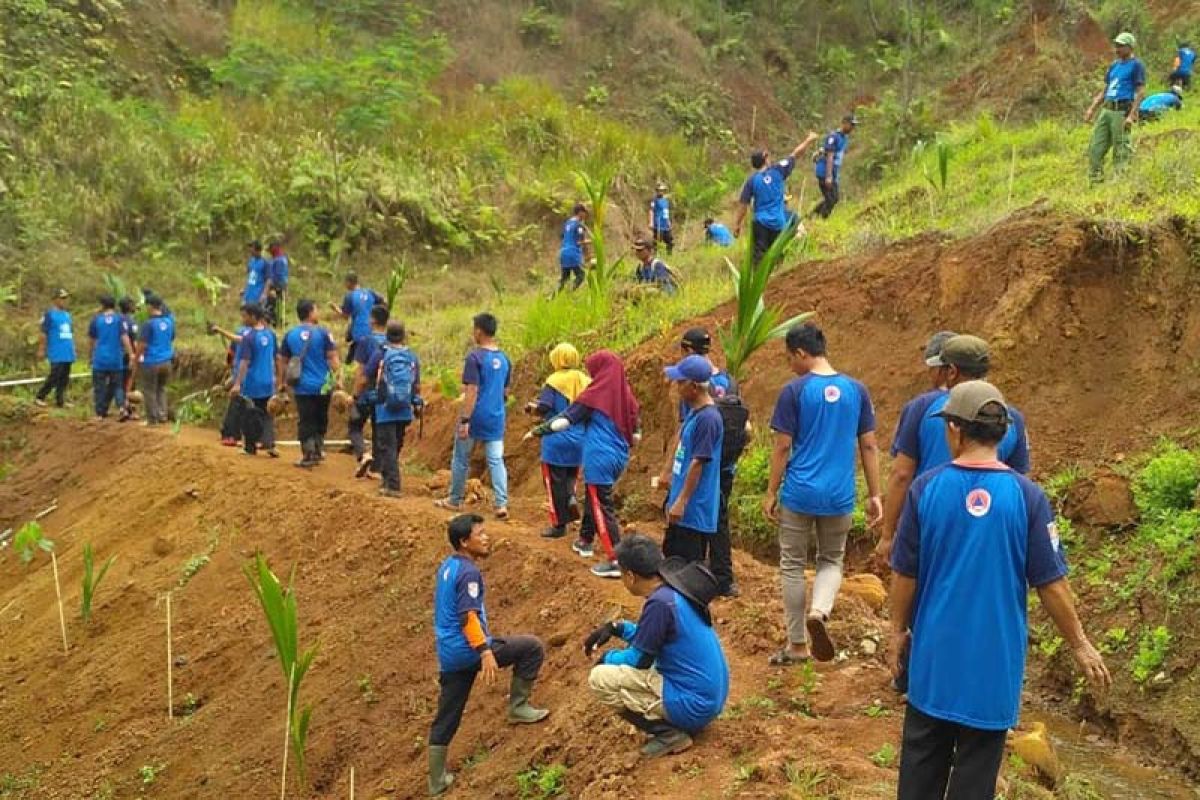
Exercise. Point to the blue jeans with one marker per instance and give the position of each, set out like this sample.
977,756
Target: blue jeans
461,462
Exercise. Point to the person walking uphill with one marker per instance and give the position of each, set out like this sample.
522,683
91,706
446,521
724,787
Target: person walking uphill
1124,85
156,352
765,190
660,219
56,344
574,244
306,359
278,271
466,647
110,343
356,308
258,274
973,539
1183,66
611,421
254,381
562,452
672,680
821,420
365,398
486,375
397,372
829,165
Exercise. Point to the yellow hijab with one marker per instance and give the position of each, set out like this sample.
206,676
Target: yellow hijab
567,379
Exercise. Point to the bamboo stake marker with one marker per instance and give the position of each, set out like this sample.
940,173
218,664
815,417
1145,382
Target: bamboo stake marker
62,620
170,666
287,732
351,783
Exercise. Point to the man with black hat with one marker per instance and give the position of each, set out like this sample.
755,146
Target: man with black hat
672,679
975,536
56,344
829,165
258,278
765,190
920,442
1124,85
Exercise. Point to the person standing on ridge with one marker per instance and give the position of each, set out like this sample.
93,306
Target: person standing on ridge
365,398
486,376
156,352
1185,63
356,307
821,421
765,190
127,308
1124,85
307,357
920,442
660,218
467,649
397,381
974,538
231,423
574,244
829,165
254,381
278,273
716,233
110,343
611,420
56,344
258,274
562,452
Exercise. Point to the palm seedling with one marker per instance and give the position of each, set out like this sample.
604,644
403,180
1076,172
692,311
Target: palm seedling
91,580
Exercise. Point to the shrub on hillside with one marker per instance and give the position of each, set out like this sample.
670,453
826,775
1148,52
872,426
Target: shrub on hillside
1168,481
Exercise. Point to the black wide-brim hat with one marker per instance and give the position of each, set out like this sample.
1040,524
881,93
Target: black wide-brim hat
694,581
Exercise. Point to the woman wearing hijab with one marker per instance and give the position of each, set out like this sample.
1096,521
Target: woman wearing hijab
609,415
562,452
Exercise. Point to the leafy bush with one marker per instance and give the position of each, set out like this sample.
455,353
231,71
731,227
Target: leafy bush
1168,482
1169,541
1152,649
748,526
540,27
540,782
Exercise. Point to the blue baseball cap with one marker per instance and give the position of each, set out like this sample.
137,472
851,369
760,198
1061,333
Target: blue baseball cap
696,369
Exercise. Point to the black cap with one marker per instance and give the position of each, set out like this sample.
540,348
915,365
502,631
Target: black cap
697,340
851,118
254,245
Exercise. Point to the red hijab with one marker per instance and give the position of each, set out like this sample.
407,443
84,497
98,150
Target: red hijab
609,392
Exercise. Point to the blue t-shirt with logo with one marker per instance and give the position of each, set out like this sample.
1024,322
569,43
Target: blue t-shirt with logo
766,189
258,351
367,346
106,330
605,451
382,412
158,335
571,253
280,266
235,349
60,336
459,590
975,538
835,143
824,415
688,655
1187,60
489,370
1124,78
256,279
660,213
565,448
1160,102
315,367
921,435
718,234
700,439
357,305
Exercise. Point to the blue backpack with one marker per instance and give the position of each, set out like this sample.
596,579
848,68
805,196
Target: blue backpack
396,374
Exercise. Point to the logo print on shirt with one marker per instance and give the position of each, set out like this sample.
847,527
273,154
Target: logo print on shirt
495,363
263,340
1055,540
473,590
979,502
832,394
767,179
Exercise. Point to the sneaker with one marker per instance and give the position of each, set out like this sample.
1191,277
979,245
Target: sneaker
384,492
229,441
364,467
606,569
39,402
554,533
731,590
583,548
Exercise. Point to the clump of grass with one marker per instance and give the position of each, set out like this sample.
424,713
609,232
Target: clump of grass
1168,481
90,581
1152,650
541,782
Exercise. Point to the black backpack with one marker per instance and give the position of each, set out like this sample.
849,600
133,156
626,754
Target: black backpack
735,414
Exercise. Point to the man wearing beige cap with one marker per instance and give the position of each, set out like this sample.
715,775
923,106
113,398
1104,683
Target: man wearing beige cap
920,442
1124,85
974,537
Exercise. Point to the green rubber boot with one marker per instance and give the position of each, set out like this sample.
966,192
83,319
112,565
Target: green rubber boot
520,712
439,779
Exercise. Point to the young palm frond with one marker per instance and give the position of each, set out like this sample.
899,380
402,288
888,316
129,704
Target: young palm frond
90,581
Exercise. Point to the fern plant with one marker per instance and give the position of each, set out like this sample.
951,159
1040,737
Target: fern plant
279,607
90,581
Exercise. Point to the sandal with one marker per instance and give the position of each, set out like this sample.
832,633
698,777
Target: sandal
818,638
786,658
502,514
446,504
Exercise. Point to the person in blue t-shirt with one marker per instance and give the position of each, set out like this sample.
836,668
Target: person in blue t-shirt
254,381
920,442
356,307
110,345
486,375
278,274
391,423
822,420
611,420
573,252
466,647
126,306
1124,85
258,274
231,423
562,452
765,190
660,218
672,679
974,538
56,344
1183,66
716,233
156,352
319,367
363,409
694,494
1157,104
829,165
651,270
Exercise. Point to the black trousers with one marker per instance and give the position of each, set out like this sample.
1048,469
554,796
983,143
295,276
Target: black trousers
231,423
104,389
567,272
667,238
600,517
257,425
356,424
273,306
523,653
313,422
390,438
764,237
942,760
831,195
1179,78
56,381
720,545
560,486
686,543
